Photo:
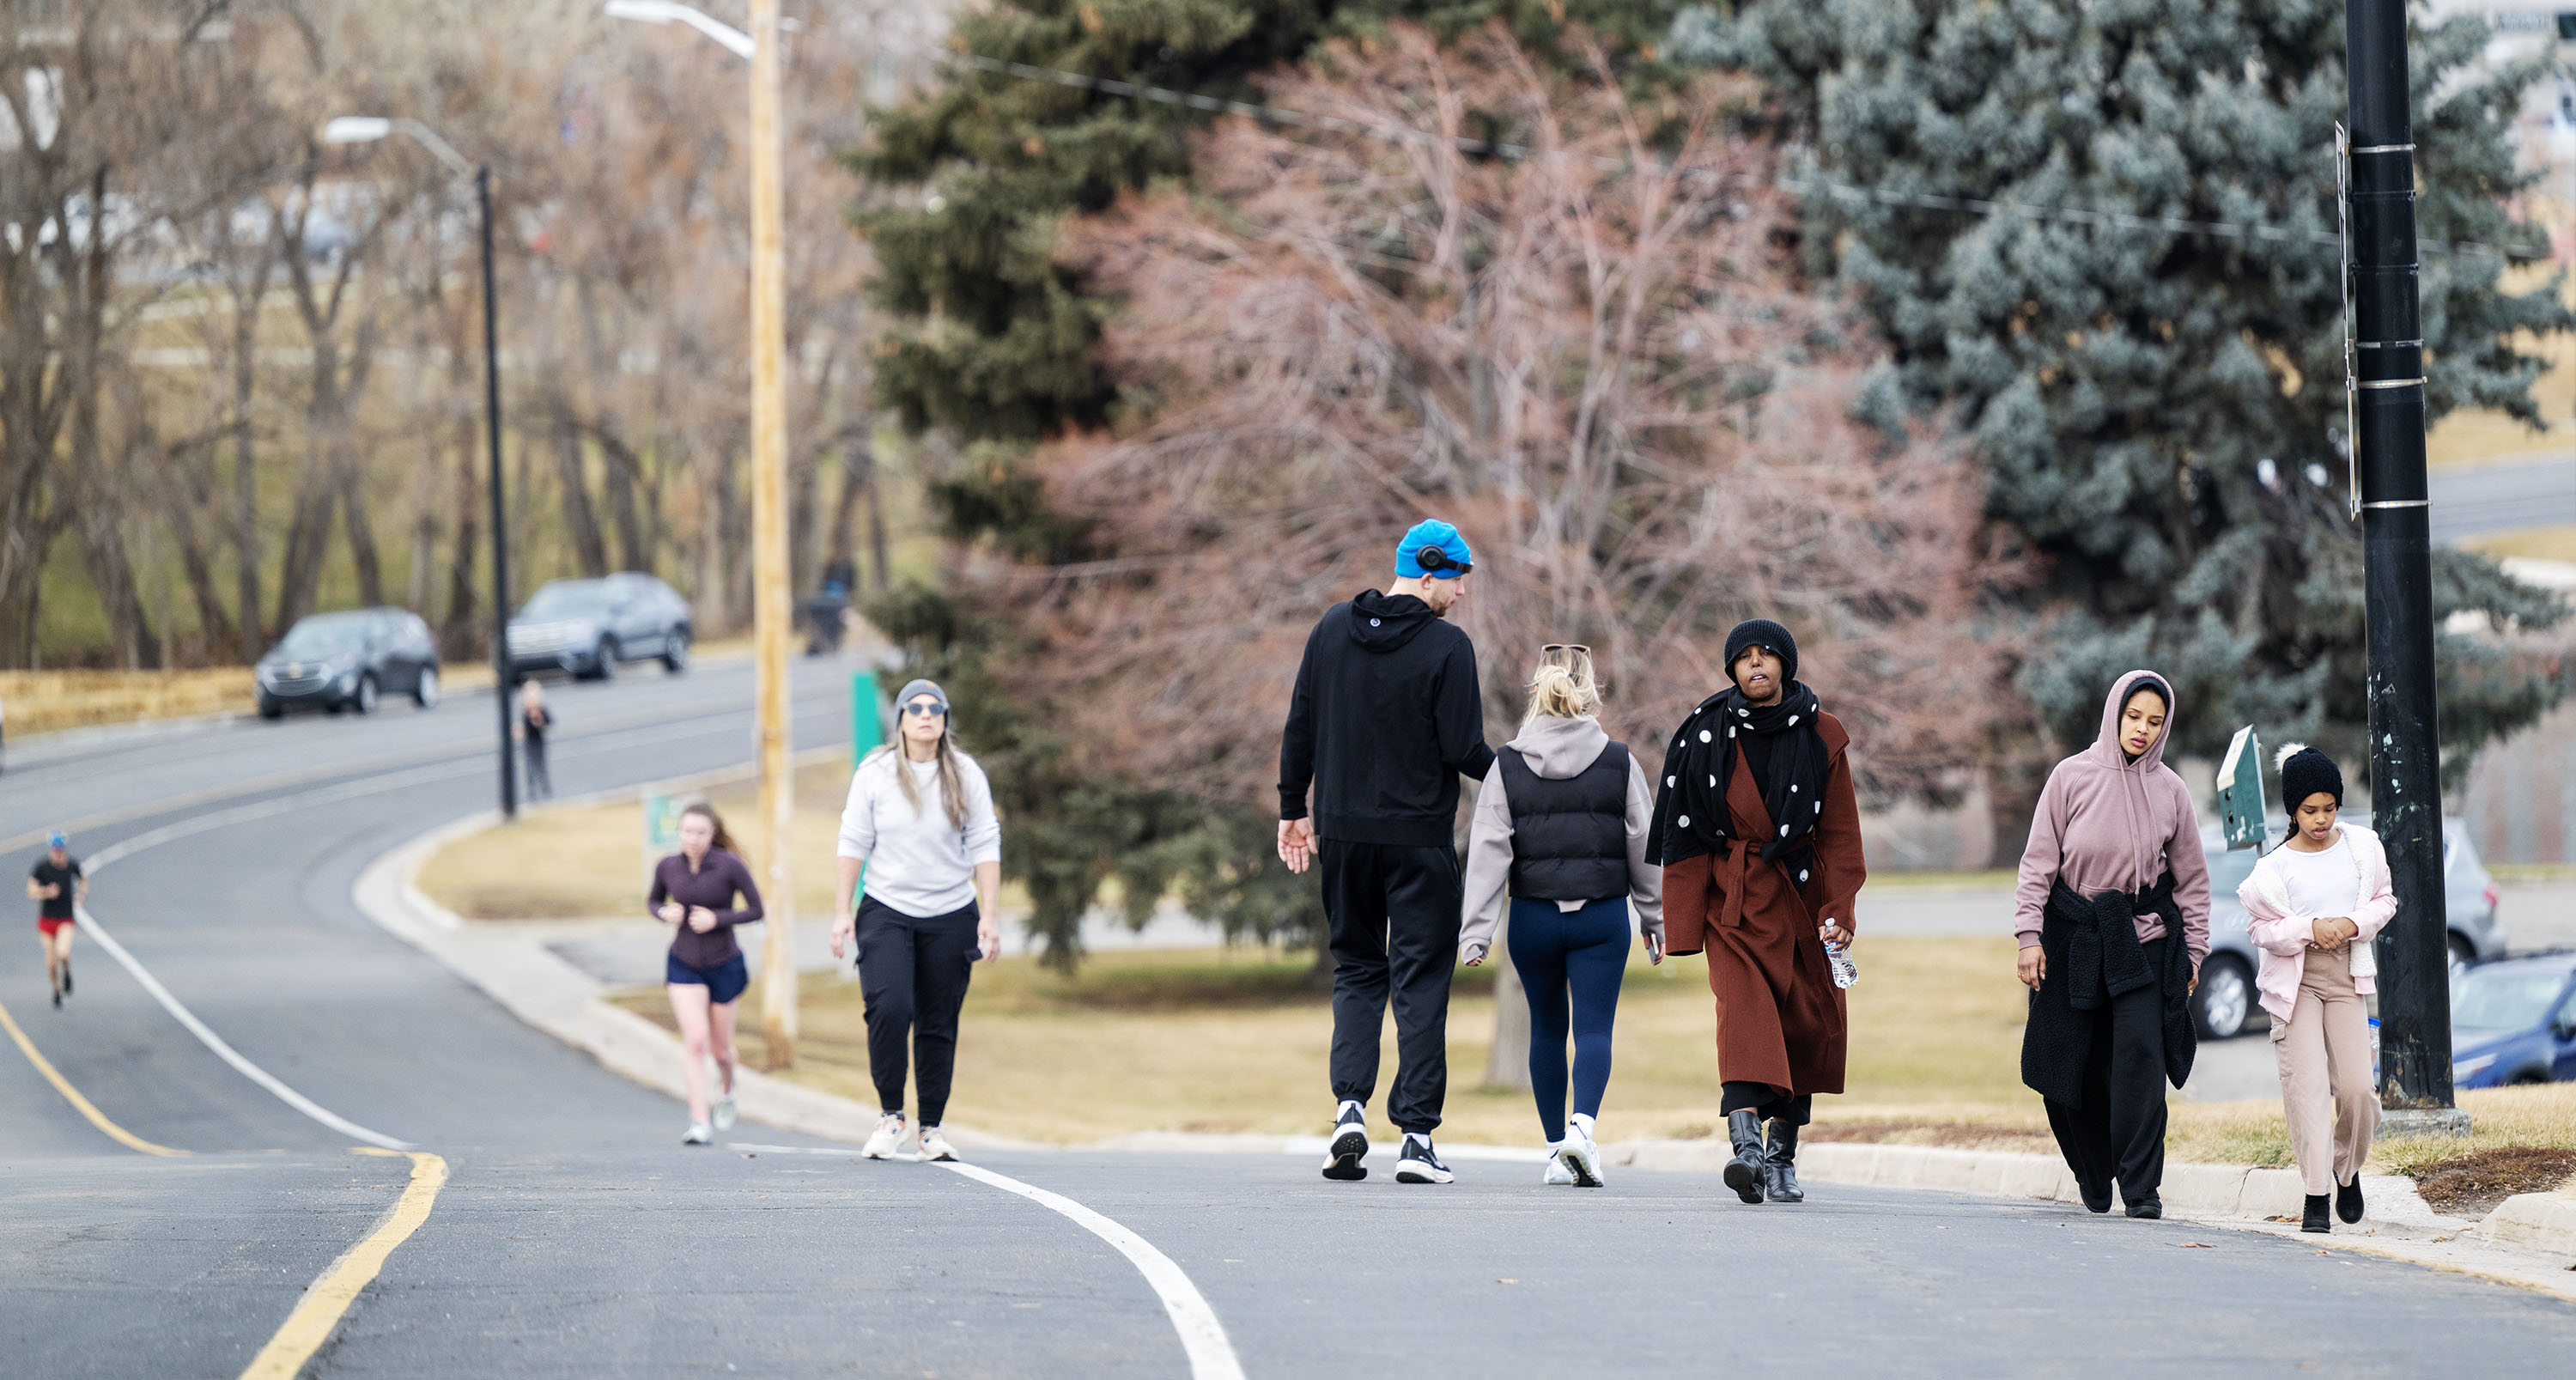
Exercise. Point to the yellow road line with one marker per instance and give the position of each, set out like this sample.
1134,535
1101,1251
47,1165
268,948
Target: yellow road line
314,1319
72,1095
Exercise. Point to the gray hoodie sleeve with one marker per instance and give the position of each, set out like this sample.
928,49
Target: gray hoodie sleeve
1645,879
1489,867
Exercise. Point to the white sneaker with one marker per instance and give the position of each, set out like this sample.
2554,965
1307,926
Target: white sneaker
886,1139
697,1134
1580,1158
725,1114
935,1146
1556,1173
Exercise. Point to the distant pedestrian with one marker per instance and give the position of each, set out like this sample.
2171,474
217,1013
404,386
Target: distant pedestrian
703,892
920,828
1759,834
2113,916
1385,717
1561,825
2313,906
56,885
535,722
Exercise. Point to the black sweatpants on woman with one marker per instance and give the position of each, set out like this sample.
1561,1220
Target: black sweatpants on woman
913,973
2118,1132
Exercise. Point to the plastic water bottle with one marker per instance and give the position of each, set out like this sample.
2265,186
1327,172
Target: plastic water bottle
1846,972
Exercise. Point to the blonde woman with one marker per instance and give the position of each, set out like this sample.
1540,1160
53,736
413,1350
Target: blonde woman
920,827
1561,825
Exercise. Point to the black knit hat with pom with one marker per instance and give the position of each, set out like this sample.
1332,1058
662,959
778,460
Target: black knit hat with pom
2306,772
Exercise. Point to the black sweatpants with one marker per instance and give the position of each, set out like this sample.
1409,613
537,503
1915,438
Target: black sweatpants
2119,1131
913,973
1394,916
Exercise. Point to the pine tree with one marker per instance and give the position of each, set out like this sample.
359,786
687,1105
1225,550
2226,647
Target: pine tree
2160,412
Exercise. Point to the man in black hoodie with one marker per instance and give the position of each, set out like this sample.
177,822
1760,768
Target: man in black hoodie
1386,717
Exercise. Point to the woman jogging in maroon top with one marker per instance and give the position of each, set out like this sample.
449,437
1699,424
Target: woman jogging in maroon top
694,892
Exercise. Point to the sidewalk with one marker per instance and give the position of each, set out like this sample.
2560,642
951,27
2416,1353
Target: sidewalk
542,972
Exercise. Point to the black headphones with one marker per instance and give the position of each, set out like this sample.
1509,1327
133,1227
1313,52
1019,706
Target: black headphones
1434,559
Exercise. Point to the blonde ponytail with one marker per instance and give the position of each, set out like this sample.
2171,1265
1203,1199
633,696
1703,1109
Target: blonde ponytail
1563,687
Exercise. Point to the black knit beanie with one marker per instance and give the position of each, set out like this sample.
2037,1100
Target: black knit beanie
1771,637
2306,772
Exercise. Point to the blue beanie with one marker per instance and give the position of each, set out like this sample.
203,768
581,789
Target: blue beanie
1431,534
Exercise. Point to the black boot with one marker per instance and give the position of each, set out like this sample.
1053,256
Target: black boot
2315,1218
1779,1164
2347,1197
1744,1172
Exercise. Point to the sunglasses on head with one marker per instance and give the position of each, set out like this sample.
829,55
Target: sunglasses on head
1553,648
923,709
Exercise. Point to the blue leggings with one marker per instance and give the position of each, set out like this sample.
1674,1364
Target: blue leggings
1580,954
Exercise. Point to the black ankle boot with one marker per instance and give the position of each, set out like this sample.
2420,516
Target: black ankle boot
1779,1164
2347,1198
1744,1172
2315,1219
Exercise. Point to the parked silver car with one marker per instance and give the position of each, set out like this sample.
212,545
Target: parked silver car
2225,1006
586,627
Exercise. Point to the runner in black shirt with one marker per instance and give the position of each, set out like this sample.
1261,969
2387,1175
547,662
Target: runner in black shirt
56,885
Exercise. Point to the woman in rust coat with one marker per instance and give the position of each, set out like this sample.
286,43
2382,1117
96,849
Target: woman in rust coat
1760,873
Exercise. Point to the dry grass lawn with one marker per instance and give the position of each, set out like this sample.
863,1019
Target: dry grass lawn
589,859
49,701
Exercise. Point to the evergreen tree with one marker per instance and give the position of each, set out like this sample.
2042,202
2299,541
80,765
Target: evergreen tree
2159,412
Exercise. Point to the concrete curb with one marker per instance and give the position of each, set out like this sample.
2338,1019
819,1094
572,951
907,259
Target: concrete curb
2543,1222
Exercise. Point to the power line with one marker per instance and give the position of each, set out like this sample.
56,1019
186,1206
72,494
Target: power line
1795,186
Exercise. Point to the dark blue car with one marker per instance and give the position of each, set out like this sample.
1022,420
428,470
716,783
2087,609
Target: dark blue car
2514,1021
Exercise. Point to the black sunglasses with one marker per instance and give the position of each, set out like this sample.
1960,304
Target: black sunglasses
1553,648
923,709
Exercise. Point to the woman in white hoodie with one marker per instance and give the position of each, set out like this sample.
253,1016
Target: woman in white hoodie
2313,906
1561,825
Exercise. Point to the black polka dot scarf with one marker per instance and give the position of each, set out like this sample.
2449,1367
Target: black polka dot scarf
1691,817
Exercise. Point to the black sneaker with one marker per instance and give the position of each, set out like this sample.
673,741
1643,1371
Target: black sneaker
1420,1164
1350,1144
67,985
2347,1197
2150,1208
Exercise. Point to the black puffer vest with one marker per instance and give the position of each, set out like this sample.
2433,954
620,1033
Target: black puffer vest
1570,837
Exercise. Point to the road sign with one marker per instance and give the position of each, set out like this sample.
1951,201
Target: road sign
661,829
867,717
2240,791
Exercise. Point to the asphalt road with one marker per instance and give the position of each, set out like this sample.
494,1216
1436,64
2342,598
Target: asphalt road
574,1236
2539,492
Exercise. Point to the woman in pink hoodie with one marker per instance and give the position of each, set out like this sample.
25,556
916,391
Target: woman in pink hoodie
2113,916
2313,906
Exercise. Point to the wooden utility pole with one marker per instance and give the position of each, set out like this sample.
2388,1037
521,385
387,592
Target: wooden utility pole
771,609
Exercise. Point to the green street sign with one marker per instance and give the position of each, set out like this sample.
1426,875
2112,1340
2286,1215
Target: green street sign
2240,791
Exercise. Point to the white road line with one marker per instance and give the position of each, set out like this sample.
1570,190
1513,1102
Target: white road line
1202,1336
226,1052
126,848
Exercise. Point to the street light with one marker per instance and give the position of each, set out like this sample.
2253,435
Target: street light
367,129
770,610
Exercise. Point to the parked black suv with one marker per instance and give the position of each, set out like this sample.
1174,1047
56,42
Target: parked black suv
586,627
350,660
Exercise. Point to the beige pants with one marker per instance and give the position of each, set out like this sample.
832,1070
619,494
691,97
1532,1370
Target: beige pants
2324,1051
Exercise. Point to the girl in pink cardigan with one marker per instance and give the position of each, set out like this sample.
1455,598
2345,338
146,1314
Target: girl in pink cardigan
2314,905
